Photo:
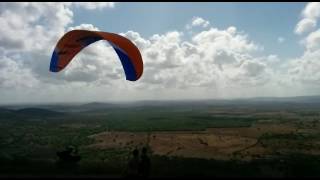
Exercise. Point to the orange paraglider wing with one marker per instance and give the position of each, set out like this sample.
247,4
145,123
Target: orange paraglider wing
74,41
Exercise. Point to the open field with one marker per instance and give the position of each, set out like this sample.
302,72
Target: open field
244,143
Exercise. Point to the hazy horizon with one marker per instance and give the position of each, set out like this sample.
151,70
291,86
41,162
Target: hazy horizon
148,100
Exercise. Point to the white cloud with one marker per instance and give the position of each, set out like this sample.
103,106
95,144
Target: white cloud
213,59
28,34
224,39
299,76
32,26
209,60
134,36
305,25
303,72
198,22
84,27
312,10
272,59
252,68
309,18
250,73
14,76
312,41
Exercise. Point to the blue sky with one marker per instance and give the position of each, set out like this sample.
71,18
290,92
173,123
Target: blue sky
190,50
263,22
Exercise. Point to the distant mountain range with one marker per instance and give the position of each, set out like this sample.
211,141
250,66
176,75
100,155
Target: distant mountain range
304,99
47,110
27,113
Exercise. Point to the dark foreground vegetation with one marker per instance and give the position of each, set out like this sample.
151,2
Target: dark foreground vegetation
295,165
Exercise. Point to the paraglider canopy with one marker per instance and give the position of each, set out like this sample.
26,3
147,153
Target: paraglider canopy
74,41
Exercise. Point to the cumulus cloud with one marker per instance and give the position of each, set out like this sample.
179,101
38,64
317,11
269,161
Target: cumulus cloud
309,18
213,62
84,27
198,22
301,74
312,41
250,73
14,75
312,10
225,39
272,59
253,68
305,25
303,71
32,26
208,60
212,59
28,34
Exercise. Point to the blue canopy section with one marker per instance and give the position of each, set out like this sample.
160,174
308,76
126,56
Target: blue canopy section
54,61
126,63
